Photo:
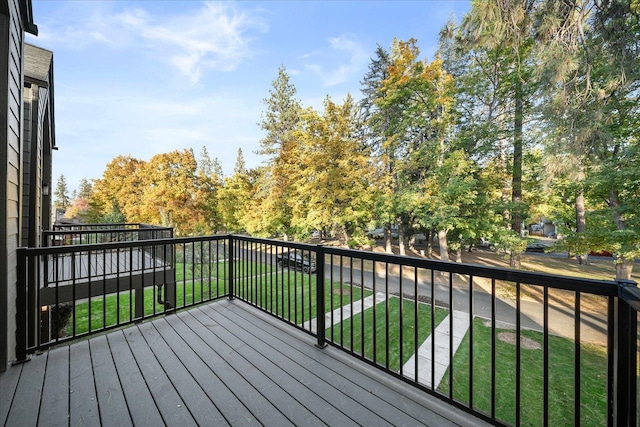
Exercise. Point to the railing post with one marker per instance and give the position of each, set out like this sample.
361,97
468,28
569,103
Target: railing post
320,306
22,312
625,351
230,262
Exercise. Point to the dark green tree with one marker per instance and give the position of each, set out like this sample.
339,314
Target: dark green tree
61,194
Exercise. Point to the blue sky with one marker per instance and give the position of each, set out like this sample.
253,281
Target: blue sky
145,77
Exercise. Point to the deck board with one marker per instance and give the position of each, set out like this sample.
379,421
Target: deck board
265,376
8,385
224,363
140,402
366,383
172,408
241,384
54,404
113,407
24,408
232,408
199,405
83,403
301,377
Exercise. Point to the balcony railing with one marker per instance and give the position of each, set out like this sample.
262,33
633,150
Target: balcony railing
86,234
511,347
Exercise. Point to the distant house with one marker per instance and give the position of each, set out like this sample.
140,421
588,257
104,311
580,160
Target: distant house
15,166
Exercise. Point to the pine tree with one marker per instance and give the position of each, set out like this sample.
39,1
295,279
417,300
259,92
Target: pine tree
280,121
84,189
62,193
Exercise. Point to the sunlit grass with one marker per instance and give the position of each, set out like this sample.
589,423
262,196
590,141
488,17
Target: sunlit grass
291,294
192,287
386,349
593,381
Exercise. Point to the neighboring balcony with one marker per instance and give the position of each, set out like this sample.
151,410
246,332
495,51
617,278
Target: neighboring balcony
410,341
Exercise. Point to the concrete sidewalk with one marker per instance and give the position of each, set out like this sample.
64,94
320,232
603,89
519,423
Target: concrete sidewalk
442,333
345,312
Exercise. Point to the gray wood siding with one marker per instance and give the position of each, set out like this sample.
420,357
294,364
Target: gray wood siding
43,98
26,170
13,193
33,144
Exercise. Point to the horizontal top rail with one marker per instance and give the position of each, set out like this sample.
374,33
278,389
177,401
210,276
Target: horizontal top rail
129,225
630,293
593,286
56,250
597,287
104,231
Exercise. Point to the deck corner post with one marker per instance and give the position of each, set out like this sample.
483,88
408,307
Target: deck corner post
320,303
230,262
624,353
22,311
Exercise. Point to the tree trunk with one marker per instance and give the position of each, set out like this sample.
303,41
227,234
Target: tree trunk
444,248
343,235
624,268
430,243
581,225
515,260
459,255
401,244
387,239
516,180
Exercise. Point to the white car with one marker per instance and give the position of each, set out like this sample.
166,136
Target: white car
378,233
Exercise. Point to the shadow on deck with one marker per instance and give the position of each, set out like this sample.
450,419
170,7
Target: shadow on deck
224,363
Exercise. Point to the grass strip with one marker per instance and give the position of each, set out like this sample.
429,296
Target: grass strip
341,332
593,381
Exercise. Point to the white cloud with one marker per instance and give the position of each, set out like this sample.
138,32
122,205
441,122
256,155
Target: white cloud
215,36
352,56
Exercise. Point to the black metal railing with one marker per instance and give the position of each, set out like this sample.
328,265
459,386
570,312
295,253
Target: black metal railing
68,292
511,347
87,234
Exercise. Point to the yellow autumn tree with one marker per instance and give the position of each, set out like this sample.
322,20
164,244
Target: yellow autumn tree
333,172
169,196
120,188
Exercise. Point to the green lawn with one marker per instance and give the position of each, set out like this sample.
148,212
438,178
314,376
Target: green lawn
192,287
358,340
287,293
561,379
291,294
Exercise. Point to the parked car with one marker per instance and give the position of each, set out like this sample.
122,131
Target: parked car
378,233
536,247
315,234
600,253
297,261
484,243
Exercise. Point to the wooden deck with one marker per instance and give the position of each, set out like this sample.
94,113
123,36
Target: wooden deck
69,277
80,266
225,363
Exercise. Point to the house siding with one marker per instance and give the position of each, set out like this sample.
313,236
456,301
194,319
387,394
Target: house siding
11,127
26,172
33,164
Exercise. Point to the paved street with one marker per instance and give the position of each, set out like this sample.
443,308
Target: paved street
593,327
